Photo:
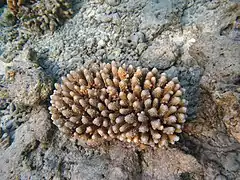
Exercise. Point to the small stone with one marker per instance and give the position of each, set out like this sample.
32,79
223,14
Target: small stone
230,162
101,43
114,54
220,177
238,89
105,18
137,37
41,124
118,174
113,2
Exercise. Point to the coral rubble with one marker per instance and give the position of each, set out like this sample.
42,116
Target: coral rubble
107,101
10,115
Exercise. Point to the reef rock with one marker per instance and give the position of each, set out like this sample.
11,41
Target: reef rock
28,85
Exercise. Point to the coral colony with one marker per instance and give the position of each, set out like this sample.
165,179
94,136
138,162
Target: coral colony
41,16
107,101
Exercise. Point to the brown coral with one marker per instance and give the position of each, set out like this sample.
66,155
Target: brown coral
126,103
14,5
40,16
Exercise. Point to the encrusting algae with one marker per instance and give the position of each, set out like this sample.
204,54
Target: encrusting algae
107,101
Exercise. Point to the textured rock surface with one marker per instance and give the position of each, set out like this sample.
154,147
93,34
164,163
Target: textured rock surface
230,107
201,44
42,128
162,54
33,85
170,164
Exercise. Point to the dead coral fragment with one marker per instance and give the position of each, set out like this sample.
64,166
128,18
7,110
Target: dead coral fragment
110,102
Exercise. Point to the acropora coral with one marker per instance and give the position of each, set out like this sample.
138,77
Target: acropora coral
107,101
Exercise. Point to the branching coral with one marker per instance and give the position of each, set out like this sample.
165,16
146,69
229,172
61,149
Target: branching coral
15,5
40,16
126,103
